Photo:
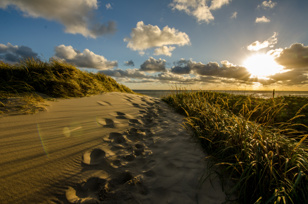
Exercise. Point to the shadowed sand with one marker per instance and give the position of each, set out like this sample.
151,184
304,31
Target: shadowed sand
110,148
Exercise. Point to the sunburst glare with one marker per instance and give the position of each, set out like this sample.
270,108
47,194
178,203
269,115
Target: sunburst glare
262,65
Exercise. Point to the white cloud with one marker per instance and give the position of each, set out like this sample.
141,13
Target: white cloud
153,65
255,46
85,59
227,64
217,4
262,19
198,8
144,37
268,4
234,15
75,15
164,50
270,42
108,6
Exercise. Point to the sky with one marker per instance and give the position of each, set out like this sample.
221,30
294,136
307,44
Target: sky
163,44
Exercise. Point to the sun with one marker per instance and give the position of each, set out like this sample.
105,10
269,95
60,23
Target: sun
262,65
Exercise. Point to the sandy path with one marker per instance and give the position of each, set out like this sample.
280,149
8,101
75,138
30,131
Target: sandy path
111,148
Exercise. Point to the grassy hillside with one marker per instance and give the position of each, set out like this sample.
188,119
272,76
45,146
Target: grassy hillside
260,144
23,84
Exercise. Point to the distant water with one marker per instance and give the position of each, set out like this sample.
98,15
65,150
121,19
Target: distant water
260,94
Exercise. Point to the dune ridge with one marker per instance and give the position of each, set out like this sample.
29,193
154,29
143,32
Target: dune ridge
110,148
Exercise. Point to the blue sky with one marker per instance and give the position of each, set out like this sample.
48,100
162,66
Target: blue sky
159,44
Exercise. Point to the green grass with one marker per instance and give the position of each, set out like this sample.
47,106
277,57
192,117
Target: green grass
258,143
22,84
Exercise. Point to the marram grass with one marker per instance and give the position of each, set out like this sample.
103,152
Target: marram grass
23,84
244,139
55,79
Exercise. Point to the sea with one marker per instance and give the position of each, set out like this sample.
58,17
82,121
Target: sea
259,94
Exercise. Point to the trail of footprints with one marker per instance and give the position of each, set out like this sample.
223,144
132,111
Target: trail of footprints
124,160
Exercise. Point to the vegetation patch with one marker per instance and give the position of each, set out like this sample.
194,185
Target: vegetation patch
258,143
22,85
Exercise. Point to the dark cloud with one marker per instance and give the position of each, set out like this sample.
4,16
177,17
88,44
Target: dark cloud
128,73
76,15
181,67
180,70
293,77
294,57
14,53
85,59
153,65
129,63
227,70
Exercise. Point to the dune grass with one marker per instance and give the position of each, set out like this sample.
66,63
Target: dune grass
22,85
258,143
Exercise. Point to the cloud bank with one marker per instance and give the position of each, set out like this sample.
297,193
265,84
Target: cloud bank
13,53
294,59
188,72
86,59
226,70
144,37
128,73
76,15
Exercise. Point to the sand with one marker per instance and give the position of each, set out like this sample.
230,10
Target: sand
109,148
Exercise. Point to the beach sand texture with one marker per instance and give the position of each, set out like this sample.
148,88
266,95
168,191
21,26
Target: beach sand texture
109,148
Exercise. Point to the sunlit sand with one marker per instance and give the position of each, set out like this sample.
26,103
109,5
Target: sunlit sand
110,148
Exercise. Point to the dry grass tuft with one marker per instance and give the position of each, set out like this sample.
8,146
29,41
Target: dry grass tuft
256,142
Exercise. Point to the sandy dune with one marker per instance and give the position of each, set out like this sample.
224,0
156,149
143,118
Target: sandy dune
111,148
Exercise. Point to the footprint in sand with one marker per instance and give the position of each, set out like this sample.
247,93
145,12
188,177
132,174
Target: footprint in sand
104,103
129,157
94,157
117,138
139,149
120,188
120,115
86,192
133,122
135,135
109,123
139,105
